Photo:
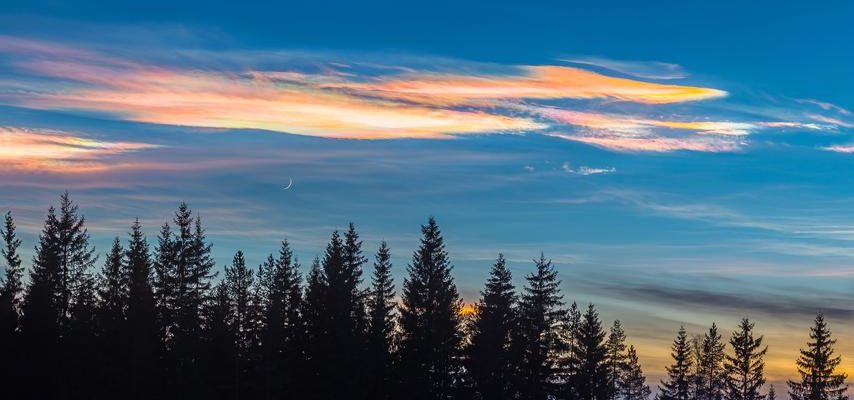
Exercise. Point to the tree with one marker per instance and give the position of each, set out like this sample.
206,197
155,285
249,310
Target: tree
616,358
678,383
242,322
538,337
490,359
592,380
381,326
772,395
10,286
337,336
711,366
10,291
430,321
632,385
744,368
112,303
141,326
217,366
817,366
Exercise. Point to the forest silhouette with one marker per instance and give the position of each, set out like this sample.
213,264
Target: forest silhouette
154,320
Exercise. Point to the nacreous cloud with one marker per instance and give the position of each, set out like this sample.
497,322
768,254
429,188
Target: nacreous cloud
40,150
363,100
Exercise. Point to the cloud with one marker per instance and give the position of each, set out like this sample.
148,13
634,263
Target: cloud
39,150
640,69
840,148
354,97
585,170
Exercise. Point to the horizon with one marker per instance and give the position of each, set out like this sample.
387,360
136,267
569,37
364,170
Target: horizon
683,164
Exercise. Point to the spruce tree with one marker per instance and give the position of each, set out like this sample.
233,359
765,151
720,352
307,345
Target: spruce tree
772,395
632,385
616,358
490,358
538,338
592,380
141,326
568,363
711,366
744,368
217,367
677,386
381,306
430,321
112,303
817,366
239,282
10,291
10,286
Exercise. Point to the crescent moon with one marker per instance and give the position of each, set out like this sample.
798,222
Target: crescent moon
290,183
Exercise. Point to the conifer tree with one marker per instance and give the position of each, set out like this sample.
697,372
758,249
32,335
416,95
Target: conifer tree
817,367
711,366
569,337
430,321
10,293
538,339
772,395
239,281
381,326
616,358
217,369
592,380
744,368
112,303
141,326
81,343
490,358
10,286
632,385
678,383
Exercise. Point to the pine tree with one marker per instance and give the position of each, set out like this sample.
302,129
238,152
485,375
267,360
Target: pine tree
744,368
338,337
10,286
711,366
678,383
538,338
218,340
592,380
381,326
112,303
141,326
632,385
817,367
772,395
616,358
239,281
82,342
490,358
568,368
10,291
430,321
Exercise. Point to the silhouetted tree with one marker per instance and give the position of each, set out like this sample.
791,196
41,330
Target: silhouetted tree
10,292
677,385
616,358
711,366
538,338
490,359
817,366
744,368
242,321
381,325
772,395
112,303
632,385
430,321
592,380
218,340
141,326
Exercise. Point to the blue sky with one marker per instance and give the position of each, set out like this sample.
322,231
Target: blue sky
681,163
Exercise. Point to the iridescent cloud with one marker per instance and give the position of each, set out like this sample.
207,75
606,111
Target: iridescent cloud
39,150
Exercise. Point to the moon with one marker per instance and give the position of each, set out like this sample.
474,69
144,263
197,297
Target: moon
290,183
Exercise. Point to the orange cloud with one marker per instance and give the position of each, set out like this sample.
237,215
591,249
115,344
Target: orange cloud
38,150
535,82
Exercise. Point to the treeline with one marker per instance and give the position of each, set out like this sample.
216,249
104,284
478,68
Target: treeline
157,322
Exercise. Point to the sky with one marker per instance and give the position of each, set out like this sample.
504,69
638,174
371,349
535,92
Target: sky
681,163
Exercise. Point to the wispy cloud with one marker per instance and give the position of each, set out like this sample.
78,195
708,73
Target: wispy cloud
58,151
640,69
585,170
